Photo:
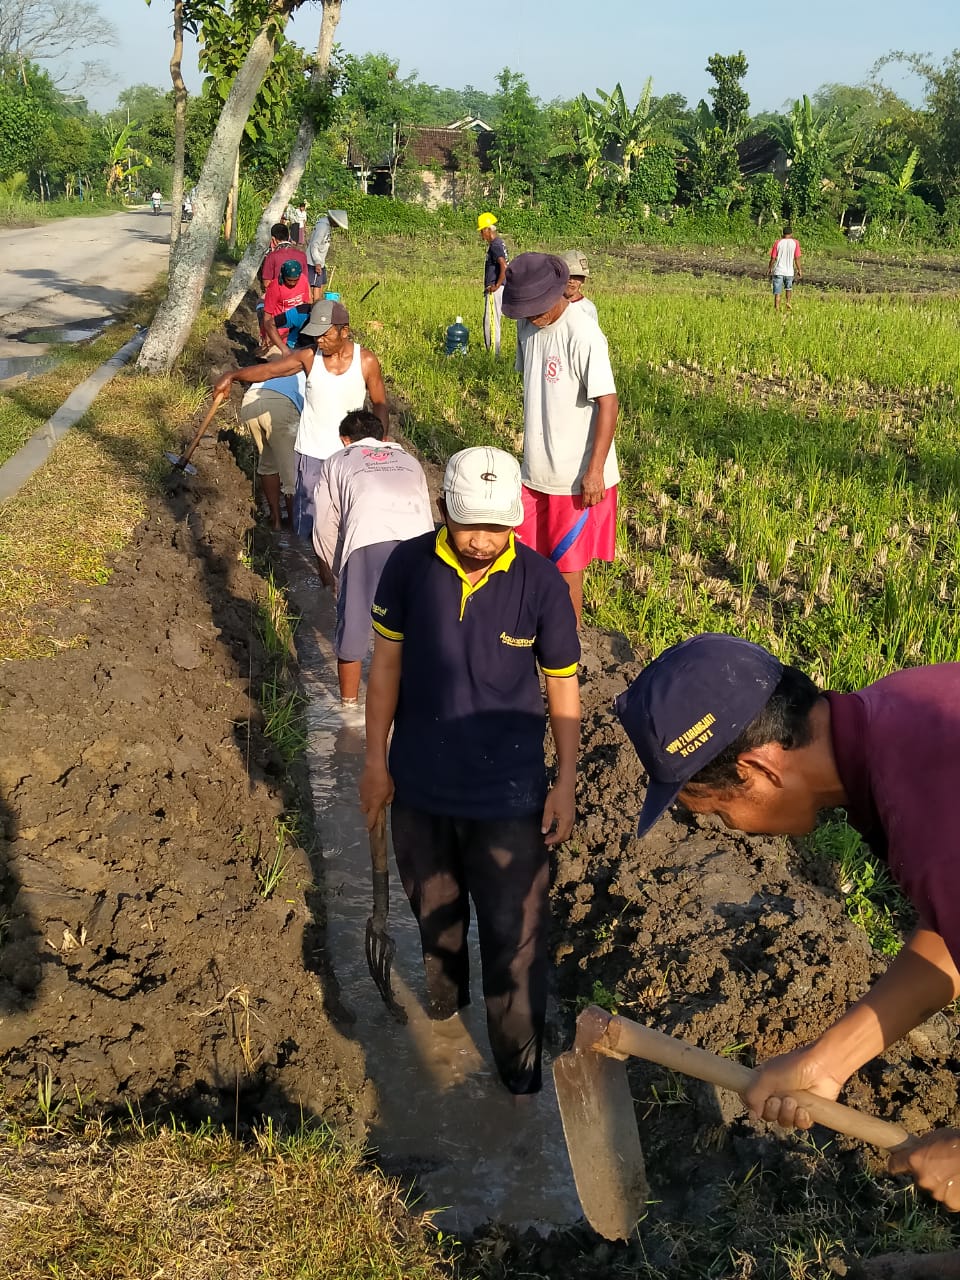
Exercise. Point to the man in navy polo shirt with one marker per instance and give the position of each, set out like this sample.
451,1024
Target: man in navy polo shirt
723,727
464,617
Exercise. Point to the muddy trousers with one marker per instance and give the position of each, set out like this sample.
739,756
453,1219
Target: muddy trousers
503,865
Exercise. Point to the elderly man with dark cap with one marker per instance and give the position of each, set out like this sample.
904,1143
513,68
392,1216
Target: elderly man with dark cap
466,620
722,726
570,412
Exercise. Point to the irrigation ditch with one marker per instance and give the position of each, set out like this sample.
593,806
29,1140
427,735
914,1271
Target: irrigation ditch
165,903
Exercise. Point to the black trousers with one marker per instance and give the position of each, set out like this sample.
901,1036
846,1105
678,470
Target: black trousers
503,865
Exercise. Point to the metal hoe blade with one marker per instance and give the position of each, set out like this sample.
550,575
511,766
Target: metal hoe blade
600,1128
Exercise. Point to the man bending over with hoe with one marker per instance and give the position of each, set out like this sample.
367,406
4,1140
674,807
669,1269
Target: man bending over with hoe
370,496
723,727
463,619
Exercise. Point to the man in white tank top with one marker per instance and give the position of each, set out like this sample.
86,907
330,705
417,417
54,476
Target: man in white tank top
341,376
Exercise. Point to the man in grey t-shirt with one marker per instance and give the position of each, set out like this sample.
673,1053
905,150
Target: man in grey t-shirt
370,496
570,409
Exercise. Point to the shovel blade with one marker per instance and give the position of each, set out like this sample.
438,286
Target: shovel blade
176,459
600,1128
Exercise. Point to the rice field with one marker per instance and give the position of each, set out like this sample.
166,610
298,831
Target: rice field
794,479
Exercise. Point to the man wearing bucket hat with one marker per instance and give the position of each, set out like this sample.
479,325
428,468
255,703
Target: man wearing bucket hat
722,726
464,620
494,274
341,376
319,247
570,411
579,270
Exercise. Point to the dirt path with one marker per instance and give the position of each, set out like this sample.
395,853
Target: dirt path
76,271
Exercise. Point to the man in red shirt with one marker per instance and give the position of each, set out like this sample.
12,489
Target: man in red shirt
286,308
720,725
281,250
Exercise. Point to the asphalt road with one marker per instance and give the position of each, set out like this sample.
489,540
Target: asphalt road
77,270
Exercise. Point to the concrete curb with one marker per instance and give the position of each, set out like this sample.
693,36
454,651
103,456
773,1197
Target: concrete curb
18,469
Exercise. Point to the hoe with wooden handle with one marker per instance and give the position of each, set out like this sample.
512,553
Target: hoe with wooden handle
600,1125
182,461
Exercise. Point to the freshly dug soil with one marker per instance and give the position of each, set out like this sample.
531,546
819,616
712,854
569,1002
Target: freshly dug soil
140,963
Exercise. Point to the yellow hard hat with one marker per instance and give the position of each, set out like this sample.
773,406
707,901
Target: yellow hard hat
486,220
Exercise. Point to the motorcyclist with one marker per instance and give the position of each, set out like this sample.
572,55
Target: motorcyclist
156,199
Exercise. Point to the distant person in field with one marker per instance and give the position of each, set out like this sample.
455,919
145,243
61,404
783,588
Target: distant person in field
341,376
319,248
579,270
723,727
300,223
467,620
271,410
494,275
783,267
371,495
570,408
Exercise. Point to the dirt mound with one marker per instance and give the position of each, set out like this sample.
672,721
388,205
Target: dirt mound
141,962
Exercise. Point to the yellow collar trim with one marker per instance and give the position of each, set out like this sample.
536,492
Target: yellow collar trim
467,588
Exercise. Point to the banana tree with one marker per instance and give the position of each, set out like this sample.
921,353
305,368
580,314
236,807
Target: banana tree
123,158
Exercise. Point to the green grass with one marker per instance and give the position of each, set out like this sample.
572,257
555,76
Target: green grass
140,1202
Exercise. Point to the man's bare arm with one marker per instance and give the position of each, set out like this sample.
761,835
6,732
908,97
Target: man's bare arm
592,487
377,392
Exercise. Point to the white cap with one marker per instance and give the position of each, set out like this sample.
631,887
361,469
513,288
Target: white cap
482,486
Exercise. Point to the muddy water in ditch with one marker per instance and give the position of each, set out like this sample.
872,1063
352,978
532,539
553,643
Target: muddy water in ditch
477,1155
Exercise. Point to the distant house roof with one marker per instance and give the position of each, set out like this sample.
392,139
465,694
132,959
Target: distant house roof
425,147
471,122
763,153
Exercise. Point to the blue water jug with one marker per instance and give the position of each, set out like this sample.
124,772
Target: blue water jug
332,297
458,336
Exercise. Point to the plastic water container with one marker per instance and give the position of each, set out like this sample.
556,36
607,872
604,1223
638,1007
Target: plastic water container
458,338
332,297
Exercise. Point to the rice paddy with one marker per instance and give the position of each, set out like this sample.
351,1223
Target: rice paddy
791,478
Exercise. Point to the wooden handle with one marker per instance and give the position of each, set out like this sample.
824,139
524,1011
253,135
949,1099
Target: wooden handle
611,1034
381,874
218,400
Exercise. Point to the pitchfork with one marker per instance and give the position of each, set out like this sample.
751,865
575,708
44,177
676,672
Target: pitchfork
380,947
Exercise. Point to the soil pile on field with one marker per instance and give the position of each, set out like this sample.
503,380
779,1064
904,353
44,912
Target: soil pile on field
140,796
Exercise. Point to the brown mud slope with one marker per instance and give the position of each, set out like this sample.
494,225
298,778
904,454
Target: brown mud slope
731,941
140,963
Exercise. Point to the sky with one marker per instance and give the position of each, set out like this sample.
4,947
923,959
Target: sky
564,47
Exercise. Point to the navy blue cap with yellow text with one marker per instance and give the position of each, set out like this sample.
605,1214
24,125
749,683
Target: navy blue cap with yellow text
688,706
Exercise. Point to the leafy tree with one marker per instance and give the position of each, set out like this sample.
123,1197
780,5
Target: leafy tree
521,143
731,106
807,137
710,169
51,31
936,131
193,254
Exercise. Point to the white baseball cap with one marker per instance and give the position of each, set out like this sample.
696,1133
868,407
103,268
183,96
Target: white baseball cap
482,486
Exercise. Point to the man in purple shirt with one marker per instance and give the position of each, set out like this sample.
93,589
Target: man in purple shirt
722,726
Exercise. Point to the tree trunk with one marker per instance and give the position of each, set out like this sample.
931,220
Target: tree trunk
246,269
179,125
233,201
193,254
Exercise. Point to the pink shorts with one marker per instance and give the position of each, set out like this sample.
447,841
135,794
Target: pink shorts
569,534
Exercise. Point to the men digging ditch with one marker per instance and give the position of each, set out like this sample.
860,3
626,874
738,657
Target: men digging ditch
340,375
722,726
570,408
464,618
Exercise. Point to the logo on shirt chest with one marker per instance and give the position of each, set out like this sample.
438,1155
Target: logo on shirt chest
552,368
516,642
